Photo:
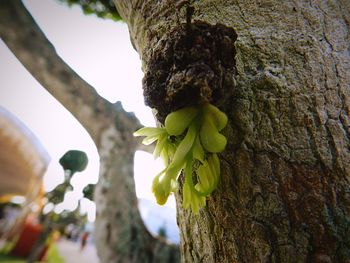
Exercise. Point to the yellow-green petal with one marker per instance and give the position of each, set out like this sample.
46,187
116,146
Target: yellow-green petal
161,188
149,131
185,146
211,139
160,145
177,121
198,151
218,117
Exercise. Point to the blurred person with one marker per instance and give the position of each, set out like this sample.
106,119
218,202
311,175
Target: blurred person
84,239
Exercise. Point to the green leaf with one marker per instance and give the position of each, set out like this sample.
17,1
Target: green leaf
88,191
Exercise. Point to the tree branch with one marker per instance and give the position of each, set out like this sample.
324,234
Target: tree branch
29,44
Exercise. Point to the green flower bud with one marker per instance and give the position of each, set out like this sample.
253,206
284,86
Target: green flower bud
161,188
177,121
211,139
218,117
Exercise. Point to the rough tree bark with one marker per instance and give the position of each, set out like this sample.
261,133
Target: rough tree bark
119,231
284,83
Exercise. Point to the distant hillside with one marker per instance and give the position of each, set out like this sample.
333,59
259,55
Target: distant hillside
156,216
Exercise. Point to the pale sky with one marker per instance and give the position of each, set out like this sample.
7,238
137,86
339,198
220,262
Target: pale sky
100,52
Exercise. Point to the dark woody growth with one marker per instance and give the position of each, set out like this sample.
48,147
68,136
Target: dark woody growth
194,64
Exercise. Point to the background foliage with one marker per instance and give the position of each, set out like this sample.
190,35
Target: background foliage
102,8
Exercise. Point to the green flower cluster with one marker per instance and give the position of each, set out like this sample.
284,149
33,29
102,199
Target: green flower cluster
189,141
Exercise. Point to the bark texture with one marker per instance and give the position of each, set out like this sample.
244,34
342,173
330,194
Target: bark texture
284,194
119,231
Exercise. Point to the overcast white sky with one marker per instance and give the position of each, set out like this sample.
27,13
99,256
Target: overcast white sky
100,52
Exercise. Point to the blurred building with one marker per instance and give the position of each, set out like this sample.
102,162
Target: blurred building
23,162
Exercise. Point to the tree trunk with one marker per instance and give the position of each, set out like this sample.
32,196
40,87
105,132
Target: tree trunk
120,234
284,83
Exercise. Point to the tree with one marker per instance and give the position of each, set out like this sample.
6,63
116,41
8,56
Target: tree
72,161
88,192
119,231
101,8
279,70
